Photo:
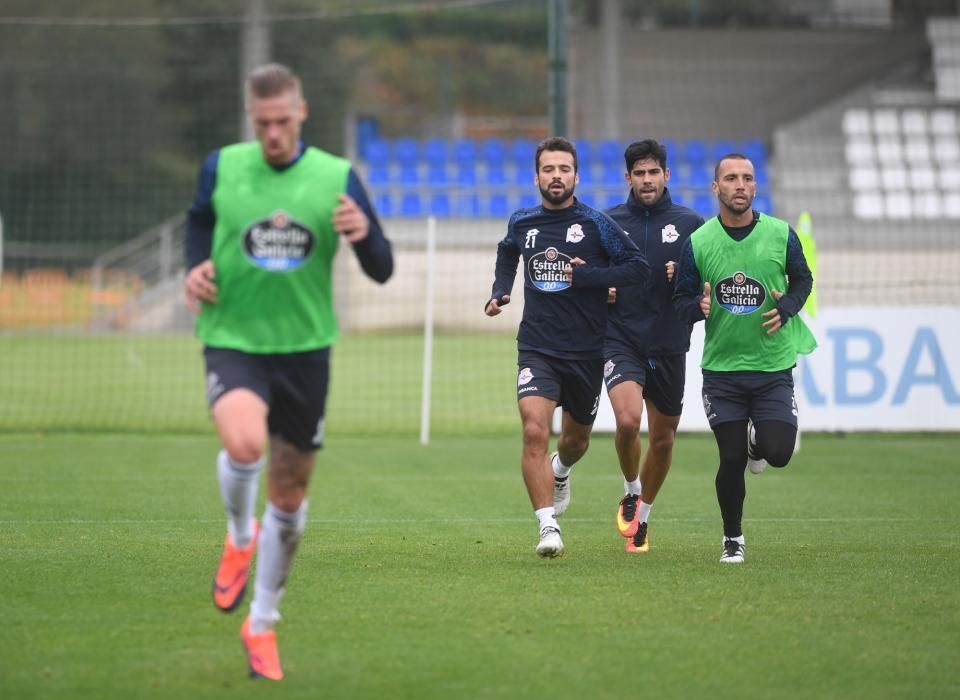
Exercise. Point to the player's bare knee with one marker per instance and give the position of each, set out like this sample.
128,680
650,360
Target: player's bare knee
244,450
628,426
662,445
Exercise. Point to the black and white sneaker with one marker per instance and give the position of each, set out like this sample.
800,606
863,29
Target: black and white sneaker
754,463
733,550
550,545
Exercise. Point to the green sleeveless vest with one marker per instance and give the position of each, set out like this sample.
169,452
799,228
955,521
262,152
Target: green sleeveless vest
273,250
742,275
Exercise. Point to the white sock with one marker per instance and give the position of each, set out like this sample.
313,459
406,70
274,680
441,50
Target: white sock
644,511
547,517
632,488
280,535
559,468
238,487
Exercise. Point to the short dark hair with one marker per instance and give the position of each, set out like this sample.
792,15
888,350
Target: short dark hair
555,143
648,149
729,156
271,80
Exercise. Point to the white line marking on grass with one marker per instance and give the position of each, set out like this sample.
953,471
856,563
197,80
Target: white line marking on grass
353,522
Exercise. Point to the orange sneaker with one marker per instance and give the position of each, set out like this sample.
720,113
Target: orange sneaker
230,581
627,515
261,653
639,543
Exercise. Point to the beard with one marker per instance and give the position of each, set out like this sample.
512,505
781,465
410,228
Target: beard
737,208
558,198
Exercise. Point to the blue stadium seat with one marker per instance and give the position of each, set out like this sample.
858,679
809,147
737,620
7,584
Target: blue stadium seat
466,174
378,174
679,197
721,148
522,152
405,151
377,151
763,204
434,152
584,154
613,199
408,175
383,204
468,205
499,205
673,152
440,205
694,152
699,177
493,151
610,154
704,204
411,205
437,175
760,173
613,175
528,201
755,150
465,151
495,174
523,174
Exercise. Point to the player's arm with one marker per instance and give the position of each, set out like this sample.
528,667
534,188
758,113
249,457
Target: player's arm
627,263
799,279
691,296
504,273
198,241
356,220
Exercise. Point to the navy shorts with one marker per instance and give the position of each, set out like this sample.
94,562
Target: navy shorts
662,378
293,385
573,384
733,396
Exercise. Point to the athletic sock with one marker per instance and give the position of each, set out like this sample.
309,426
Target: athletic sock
280,535
560,469
632,488
238,488
547,517
643,513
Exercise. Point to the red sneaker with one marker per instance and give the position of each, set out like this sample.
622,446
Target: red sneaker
261,653
230,581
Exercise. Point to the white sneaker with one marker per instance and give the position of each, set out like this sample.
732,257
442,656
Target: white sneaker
561,490
754,463
550,545
733,551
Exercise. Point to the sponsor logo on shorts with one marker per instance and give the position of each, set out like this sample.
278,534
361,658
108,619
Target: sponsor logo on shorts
793,401
546,270
214,387
740,294
278,243
669,234
575,234
614,378
707,407
608,368
526,374
527,388
596,405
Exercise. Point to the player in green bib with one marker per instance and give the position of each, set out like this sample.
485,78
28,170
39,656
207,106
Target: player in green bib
262,232
744,273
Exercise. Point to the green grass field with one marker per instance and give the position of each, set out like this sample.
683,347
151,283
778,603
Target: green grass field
155,383
417,577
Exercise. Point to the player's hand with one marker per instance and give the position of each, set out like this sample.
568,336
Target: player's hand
612,295
773,322
349,220
671,268
494,306
199,286
568,270
705,300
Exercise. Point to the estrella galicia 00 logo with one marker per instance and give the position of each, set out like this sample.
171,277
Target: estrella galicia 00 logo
278,242
740,294
546,270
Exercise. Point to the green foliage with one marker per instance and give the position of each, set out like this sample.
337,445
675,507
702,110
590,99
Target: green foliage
417,577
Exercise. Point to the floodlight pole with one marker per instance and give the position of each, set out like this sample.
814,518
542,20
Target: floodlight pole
254,51
557,47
